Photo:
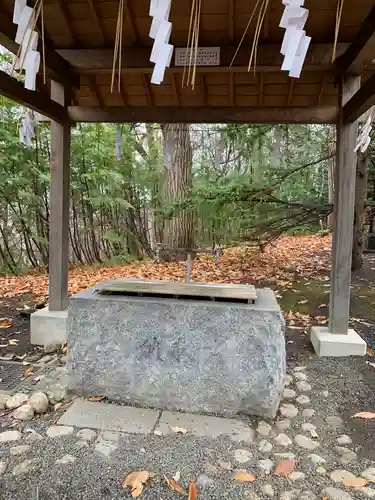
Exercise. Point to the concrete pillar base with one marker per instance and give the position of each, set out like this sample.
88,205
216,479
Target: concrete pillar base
335,345
48,327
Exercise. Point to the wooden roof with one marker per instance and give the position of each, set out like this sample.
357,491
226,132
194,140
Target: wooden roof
83,33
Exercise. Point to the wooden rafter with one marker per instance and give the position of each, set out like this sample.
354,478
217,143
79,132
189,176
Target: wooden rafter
231,21
176,91
67,19
148,91
130,19
57,67
95,90
12,89
361,101
226,114
97,21
361,52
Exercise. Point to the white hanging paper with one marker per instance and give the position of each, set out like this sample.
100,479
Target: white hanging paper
26,21
19,5
31,66
295,42
160,31
364,137
27,128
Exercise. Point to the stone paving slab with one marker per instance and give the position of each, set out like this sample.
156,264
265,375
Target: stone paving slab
88,414
204,426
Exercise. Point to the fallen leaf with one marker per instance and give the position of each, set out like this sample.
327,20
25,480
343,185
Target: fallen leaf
136,481
354,482
179,430
370,352
322,320
225,465
302,301
193,493
365,414
5,323
28,372
285,468
58,406
13,342
175,486
244,476
22,357
322,305
64,348
96,398
177,476
370,364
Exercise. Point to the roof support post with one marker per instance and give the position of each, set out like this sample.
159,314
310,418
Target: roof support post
343,215
59,207
338,339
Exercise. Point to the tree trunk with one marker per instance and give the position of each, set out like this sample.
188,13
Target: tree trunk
178,229
359,210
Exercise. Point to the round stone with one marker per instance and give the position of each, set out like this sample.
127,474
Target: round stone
300,369
347,455
39,402
308,413
265,465
340,475
334,421
303,400
305,442
24,467
264,429
59,430
303,386
16,400
86,434
7,436
316,460
242,456
288,380
344,439
300,376
288,410
290,495
267,489
296,476
25,412
336,494
66,460
307,426
369,474
283,440
19,450
283,425
3,466
4,396
368,492
204,482
264,446
289,394
32,435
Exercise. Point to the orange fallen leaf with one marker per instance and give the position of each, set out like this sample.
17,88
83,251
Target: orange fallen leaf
28,372
136,481
365,414
193,493
354,482
322,320
370,352
175,486
244,476
285,468
96,398
5,323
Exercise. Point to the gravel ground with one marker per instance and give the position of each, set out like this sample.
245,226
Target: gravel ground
94,475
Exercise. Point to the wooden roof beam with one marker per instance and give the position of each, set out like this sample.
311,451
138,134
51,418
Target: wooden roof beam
225,114
137,58
97,21
361,101
57,67
12,89
361,52
67,18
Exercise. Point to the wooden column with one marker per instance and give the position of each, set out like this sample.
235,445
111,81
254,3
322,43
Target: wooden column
343,216
59,208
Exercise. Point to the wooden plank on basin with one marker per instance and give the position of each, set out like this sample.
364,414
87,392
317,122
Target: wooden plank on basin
172,288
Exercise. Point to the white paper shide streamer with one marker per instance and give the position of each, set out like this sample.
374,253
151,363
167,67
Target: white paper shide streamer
160,31
27,128
296,42
364,138
24,17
